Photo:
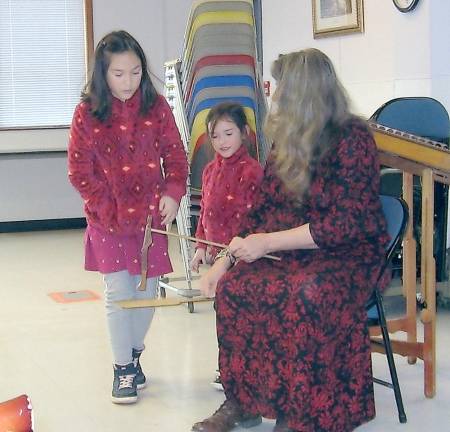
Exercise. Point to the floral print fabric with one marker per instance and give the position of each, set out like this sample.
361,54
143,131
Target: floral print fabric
293,339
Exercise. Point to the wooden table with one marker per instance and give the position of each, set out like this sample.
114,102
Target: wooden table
431,161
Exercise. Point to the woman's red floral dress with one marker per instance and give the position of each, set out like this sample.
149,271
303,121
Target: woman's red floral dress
293,339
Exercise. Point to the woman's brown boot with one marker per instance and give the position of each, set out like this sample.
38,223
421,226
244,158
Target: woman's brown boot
226,418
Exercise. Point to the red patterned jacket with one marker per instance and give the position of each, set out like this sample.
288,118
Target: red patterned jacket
115,165
229,187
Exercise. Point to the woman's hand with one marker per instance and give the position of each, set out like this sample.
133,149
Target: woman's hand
168,208
250,248
208,282
199,258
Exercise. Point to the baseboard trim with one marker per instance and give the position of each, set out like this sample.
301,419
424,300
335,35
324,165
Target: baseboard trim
42,225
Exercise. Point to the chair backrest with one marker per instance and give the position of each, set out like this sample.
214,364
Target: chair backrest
422,116
425,117
396,213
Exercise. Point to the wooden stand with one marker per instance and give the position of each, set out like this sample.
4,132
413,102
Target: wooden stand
430,166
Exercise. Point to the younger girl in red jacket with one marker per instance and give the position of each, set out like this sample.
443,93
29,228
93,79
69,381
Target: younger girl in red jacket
229,184
120,132
229,181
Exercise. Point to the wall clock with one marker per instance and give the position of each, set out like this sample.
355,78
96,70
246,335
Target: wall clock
405,5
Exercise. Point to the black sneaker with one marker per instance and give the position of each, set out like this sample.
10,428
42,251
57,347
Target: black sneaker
217,383
141,381
124,384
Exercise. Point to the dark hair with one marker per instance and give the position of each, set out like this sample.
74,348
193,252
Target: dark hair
226,110
97,91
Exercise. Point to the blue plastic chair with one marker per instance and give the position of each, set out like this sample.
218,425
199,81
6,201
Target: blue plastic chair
396,213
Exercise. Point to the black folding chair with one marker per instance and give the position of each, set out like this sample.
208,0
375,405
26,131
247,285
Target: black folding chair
396,214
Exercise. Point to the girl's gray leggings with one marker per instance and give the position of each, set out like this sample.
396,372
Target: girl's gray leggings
127,327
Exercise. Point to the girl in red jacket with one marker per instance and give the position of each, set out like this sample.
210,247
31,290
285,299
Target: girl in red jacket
229,181
229,184
120,132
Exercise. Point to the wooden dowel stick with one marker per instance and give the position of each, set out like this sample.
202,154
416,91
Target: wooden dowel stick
194,239
160,302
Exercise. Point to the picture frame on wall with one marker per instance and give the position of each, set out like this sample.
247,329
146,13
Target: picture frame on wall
336,17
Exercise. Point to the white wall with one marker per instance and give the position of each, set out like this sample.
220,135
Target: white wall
158,25
40,189
35,186
397,55
440,51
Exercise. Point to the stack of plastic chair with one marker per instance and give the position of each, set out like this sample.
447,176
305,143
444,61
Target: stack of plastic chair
219,64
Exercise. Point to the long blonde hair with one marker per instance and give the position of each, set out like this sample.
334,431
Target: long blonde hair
308,106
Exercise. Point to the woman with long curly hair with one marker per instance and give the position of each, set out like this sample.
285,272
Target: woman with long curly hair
293,339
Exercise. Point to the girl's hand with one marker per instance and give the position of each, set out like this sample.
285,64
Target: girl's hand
168,208
199,258
208,282
249,249
210,255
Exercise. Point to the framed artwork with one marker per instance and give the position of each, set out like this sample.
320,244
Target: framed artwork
331,17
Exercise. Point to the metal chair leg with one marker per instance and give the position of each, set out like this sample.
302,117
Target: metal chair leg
390,358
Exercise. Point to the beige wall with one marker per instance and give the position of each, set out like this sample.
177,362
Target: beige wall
397,55
35,186
154,23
